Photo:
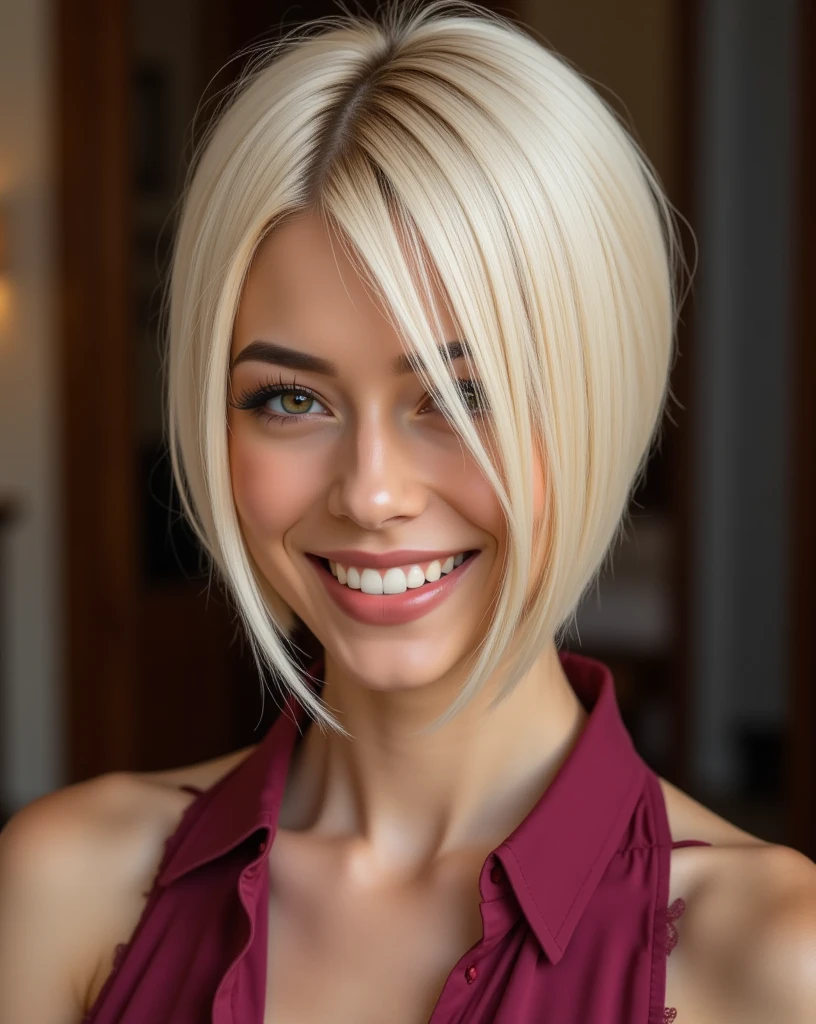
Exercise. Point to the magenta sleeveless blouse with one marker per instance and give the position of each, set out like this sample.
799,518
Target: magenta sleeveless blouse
576,926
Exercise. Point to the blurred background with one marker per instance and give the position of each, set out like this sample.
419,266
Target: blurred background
112,655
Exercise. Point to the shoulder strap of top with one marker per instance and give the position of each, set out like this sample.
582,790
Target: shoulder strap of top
689,842
192,789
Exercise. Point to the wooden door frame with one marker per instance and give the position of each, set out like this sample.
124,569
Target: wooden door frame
95,370
802,548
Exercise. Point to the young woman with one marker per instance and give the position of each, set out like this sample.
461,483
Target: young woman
422,308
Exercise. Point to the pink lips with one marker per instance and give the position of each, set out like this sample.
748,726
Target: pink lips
391,609
403,556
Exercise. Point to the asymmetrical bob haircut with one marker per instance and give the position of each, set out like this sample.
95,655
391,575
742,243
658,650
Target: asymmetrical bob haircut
442,137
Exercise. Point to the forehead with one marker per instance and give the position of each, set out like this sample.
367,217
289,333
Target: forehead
304,276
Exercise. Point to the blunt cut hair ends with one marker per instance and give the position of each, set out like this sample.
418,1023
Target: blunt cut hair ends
446,133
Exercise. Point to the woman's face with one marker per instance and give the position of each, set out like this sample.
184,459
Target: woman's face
360,459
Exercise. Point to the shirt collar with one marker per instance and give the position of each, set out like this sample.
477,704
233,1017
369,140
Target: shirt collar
553,860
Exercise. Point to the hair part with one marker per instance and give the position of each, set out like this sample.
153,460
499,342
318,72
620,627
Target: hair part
443,144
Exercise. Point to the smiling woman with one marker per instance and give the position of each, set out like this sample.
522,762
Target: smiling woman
344,434
447,198
421,316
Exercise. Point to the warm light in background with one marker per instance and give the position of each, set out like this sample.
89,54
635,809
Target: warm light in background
5,286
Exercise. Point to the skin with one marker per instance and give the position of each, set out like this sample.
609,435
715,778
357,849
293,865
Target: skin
372,464
380,840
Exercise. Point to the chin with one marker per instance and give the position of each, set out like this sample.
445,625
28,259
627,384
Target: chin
388,662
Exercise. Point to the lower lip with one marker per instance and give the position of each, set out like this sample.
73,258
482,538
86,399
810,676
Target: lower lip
391,609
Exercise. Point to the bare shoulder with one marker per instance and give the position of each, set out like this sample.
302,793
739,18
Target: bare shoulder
689,819
203,775
63,862
785,957
75,869
748,934
752,934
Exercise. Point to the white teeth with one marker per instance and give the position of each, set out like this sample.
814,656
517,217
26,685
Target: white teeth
371,582
433,572
394,580
415,577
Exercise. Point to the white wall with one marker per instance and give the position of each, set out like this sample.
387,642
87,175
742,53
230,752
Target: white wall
30,641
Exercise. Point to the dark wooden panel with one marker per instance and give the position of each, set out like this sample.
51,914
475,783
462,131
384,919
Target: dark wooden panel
802,548
95,373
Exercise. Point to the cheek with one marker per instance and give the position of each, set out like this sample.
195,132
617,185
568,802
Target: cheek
270,488
478,504
483,507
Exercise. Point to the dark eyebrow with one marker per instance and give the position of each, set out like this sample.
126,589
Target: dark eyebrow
292,358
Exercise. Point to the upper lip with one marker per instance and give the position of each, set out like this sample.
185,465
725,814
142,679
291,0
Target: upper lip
368,560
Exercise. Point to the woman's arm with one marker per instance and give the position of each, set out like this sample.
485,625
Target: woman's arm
783,957
74,868
46,901
750,940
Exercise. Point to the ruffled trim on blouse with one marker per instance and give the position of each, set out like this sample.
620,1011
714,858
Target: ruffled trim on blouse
672,914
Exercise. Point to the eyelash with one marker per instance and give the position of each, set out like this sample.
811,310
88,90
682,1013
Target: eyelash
254,400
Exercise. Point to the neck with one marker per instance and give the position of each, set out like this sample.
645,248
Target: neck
402,801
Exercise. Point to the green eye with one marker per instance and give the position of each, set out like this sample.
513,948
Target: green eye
473,396
473,393
297,403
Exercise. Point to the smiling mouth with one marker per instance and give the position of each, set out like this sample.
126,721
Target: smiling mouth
413,585
402,604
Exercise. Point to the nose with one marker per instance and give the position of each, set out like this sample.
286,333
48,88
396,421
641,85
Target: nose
379,477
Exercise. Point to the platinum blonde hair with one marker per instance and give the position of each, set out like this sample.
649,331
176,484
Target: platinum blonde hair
445,133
